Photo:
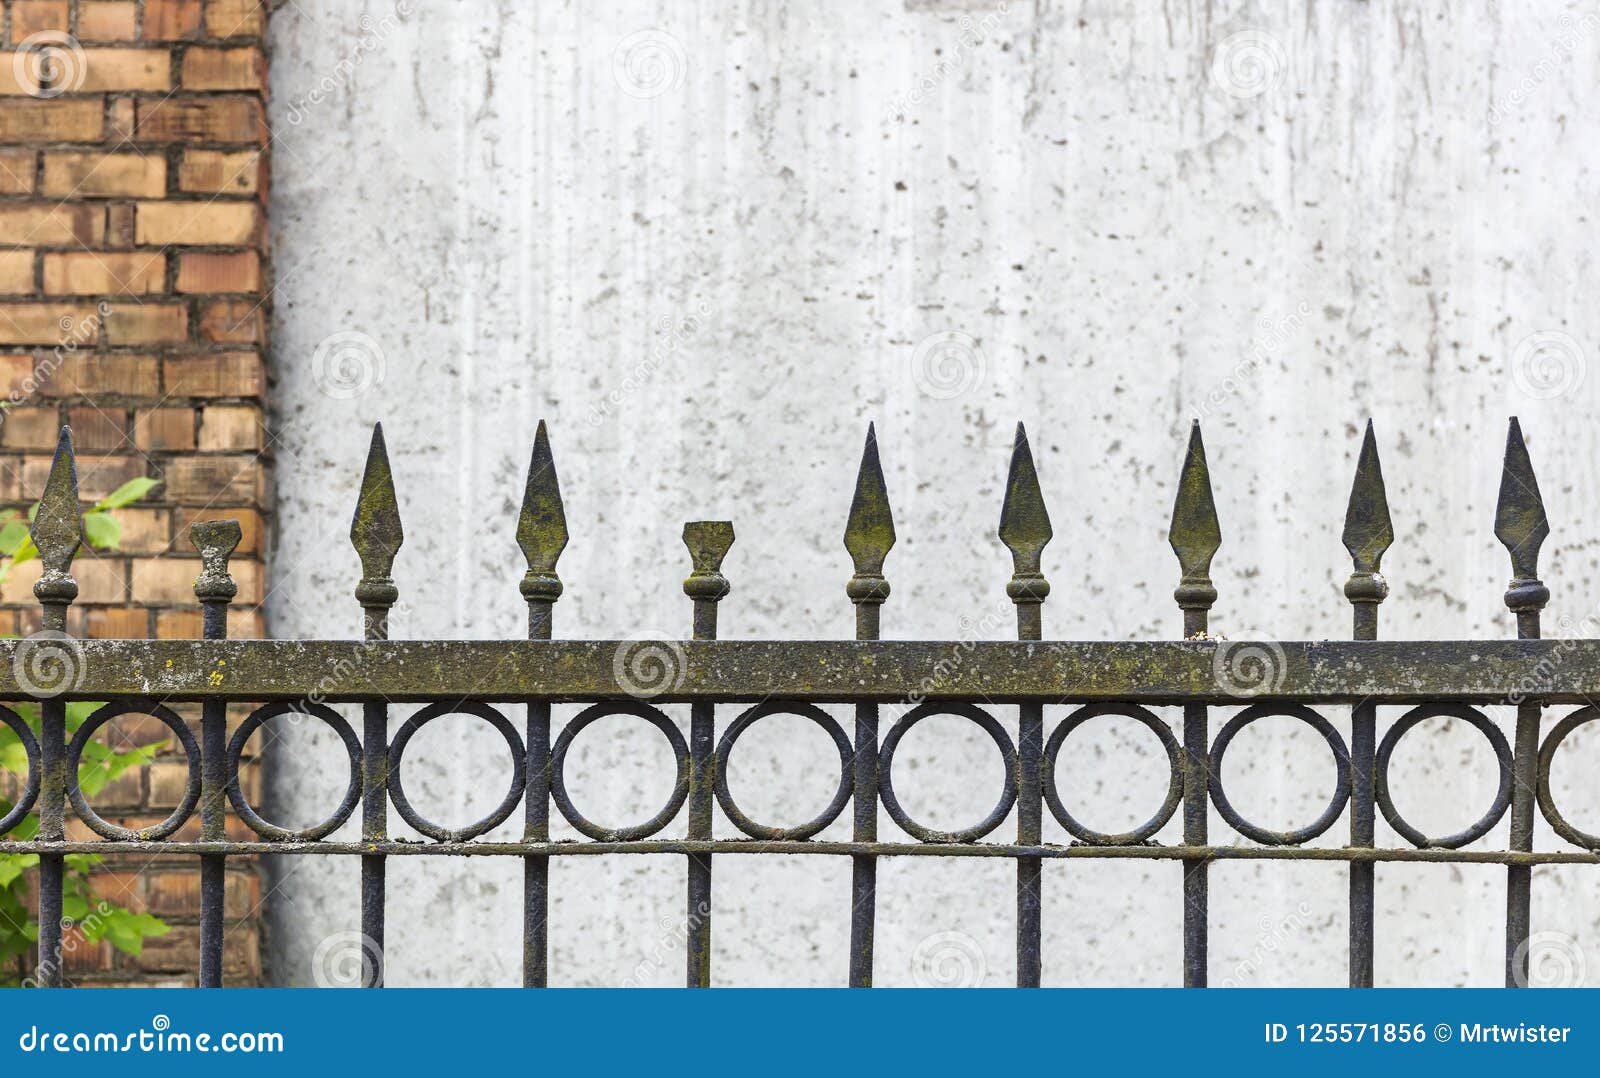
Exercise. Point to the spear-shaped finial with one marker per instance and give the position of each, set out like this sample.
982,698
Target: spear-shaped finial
1368,532
57,532
1195,536
376,533
869,533
542,527
1025,529
1520,524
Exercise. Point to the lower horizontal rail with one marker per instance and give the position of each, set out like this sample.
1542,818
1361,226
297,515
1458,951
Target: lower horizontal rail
760,846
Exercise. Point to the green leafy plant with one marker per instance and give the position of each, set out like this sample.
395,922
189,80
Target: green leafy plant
93,918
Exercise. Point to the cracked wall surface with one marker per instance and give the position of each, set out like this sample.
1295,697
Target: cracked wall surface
708,243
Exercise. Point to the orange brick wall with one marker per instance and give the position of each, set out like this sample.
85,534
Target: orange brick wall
133,304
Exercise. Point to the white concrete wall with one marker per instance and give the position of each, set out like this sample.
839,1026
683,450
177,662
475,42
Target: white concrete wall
709,242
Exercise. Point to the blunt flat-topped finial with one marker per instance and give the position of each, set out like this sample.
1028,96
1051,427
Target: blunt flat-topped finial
1195,534
1520,524
376,532
57,528
216,540
1025,524
869,532
542,527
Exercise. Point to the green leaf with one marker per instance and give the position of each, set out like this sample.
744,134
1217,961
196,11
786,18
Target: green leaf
128,493
103,531
12,536
13,865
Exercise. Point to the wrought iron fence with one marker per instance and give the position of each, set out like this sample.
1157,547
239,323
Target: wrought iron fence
477,678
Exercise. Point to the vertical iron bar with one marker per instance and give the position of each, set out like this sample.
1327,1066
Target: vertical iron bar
542,535
1521,525
1368,533
214,587
57,532
868,537
1195,536
377,536
1025,530
708,543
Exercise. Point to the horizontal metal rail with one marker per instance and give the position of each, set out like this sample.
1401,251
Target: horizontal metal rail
886,671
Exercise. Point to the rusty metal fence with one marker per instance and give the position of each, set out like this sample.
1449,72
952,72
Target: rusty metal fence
1374,679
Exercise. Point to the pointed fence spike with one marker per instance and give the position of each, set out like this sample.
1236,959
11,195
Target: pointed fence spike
1368,529
542,525
1195,534
57,528
376,532
1025,525
1521,525
869,532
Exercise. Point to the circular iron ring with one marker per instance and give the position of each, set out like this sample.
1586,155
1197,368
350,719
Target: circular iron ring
30,791
840,798
1052,794
990,726
1341,765
191,752
502,812
1547,800
558,766
352,795
1502,752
